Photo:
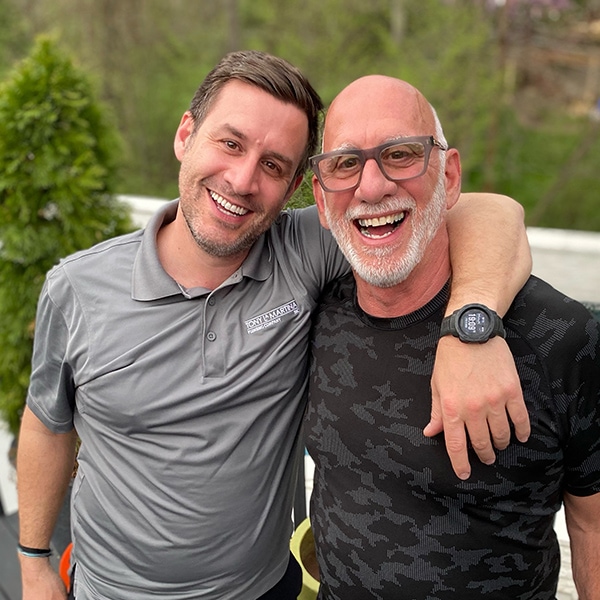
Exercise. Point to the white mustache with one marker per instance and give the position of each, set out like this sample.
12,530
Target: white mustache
391,205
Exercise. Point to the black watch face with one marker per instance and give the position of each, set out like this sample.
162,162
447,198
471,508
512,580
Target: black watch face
474,323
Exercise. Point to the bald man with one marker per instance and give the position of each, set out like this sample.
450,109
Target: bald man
390,519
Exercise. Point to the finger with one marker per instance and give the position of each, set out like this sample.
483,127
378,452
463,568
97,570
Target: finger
479,434
499,429
517,411
434,427
456,446
436,423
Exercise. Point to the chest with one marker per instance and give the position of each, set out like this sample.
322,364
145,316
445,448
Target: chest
369,401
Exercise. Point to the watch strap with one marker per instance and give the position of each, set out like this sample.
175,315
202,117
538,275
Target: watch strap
446,328
450,324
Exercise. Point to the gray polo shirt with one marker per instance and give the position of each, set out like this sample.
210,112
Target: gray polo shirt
188,404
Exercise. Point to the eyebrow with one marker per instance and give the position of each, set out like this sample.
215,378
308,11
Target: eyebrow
346,146
276,155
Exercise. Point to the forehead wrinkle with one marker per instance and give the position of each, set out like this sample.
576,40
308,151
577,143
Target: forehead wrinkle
344,147
348,147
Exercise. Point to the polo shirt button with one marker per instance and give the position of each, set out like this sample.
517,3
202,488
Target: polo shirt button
211,301
211,336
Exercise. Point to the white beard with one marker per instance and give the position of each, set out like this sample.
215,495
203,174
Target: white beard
374,265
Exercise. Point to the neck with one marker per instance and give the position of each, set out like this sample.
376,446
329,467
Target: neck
187,263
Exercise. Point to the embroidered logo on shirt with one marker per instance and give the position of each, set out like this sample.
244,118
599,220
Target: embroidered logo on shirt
271,317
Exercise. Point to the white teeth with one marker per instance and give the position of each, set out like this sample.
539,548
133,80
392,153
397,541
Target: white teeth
378,221
373,236
232,208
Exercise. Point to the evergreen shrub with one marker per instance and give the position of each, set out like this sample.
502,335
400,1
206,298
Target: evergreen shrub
58,157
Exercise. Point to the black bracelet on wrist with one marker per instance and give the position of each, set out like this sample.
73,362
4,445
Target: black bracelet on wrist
34,552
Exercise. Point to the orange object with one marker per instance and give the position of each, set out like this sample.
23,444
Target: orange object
64,564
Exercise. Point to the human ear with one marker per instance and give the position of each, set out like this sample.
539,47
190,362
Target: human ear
452,174
319,201
183,134
293,187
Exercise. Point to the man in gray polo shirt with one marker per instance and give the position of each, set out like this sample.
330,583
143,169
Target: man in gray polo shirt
178,355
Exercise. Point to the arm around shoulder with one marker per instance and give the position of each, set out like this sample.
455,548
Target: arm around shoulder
489,250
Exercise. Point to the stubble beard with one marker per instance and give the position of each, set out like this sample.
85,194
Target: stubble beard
222,249
375,265
189,201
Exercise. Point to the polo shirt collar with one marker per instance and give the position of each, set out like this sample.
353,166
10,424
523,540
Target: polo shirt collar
151,282
259,262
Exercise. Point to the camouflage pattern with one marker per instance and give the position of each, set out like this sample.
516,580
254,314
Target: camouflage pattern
390,518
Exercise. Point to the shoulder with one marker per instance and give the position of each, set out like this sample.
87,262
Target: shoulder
95,269
538,300
300,229
560,331
117,249
298,240
336,307
302,220
339,291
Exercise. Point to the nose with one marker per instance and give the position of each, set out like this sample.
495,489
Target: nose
374,185
243,176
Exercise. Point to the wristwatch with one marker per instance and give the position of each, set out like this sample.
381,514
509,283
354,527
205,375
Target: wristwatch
473,323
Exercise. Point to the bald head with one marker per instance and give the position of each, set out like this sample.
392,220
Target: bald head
377,105
385,181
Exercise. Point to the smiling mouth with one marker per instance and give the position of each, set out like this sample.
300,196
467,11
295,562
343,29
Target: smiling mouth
227,207
380,227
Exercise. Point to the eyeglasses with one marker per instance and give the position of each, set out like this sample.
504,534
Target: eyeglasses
401,159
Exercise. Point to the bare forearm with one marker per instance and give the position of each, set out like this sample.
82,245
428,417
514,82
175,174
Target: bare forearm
489,251
585,564
44,467
583,525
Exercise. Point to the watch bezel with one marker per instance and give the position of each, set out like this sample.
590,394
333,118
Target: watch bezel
469,335
452,325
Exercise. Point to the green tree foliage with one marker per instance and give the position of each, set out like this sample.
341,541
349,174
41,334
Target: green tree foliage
552,169
13,37
470,57
449,52
57,155
148,57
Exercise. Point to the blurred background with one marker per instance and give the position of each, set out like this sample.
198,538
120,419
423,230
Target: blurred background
516,82
88,116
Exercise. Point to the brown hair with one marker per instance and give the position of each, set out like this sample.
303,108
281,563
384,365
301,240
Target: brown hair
273,75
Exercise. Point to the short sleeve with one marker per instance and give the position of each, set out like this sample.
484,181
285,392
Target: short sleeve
582,453
51,394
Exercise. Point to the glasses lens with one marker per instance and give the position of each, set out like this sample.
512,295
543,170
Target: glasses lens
403,161
340,171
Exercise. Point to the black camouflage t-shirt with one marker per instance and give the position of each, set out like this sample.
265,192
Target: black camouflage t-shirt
391,520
